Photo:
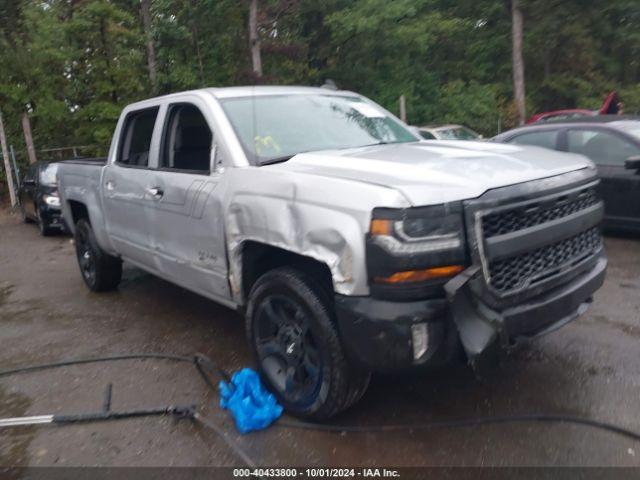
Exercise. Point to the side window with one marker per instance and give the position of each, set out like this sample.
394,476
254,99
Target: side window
186,142
427,135
135,141
547,139
601,147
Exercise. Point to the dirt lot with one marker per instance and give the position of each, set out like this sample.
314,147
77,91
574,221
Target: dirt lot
590,368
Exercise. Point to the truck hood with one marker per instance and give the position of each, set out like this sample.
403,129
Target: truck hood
433,172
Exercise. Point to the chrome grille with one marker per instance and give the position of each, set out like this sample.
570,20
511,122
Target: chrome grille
522,271
508,221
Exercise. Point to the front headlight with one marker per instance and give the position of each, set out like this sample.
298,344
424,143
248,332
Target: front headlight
414,230
423,245
51,200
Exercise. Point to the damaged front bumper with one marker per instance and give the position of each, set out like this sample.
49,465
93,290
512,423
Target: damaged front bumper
377,334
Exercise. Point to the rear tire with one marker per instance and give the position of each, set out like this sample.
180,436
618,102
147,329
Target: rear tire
291,331
100,271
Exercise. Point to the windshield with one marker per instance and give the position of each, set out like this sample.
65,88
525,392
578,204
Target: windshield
48,174
276,127
457,133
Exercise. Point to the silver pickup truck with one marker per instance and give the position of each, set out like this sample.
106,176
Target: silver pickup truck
350,245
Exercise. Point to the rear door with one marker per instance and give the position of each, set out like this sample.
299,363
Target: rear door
127,187
620,187
188,226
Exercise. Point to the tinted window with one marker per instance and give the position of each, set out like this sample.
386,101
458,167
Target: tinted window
545,139
426,135
562,116
457,133
187,140
603,148
136,137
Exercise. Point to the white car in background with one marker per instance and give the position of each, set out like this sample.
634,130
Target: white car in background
448,132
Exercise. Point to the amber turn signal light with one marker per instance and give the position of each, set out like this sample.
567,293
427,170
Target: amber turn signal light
412,276
380,227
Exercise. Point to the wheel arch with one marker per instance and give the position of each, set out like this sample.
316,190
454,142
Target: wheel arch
78,211
257,258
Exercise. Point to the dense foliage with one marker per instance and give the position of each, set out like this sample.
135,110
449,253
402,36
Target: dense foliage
72,64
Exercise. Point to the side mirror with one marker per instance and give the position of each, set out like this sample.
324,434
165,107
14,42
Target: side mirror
632,163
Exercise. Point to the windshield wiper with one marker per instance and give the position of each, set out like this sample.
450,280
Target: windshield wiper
384,142
271,161
284,158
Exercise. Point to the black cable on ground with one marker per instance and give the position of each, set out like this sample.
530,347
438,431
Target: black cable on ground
225,437
201,362
107,358
464,422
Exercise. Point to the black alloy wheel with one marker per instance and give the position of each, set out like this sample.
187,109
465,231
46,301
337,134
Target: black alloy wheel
100,271
292,330
86,257
287,350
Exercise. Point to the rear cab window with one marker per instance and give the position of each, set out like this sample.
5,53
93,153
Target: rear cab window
135,141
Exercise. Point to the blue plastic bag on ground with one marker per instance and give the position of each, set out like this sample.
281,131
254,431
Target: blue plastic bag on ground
252,406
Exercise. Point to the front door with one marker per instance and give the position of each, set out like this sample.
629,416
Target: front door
127,189
188,231
620,187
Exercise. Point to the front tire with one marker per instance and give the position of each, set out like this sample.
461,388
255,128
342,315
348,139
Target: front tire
293,336
100,271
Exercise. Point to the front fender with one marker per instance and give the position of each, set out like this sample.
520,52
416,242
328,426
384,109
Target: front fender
330,237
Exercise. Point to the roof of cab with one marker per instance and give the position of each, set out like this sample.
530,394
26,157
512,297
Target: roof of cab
248,91
245,91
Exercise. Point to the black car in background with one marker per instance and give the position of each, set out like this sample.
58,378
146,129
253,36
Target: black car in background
613,143
39,200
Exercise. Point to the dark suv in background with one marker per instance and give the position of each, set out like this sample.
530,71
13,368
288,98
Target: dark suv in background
612,142
39,200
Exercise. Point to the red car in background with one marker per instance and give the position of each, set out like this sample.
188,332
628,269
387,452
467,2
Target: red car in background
611,106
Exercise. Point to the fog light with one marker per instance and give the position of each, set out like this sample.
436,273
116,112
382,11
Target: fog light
420,338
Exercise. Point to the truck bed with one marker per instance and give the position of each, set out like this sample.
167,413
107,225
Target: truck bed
79,180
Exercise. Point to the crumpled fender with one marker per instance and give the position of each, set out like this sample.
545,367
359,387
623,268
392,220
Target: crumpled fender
323,218
316,231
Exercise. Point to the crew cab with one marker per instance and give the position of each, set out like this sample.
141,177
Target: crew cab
350,245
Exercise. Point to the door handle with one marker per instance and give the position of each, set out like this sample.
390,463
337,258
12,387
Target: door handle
155,192
110,185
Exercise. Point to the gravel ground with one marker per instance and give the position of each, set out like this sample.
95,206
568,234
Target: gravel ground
590,368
